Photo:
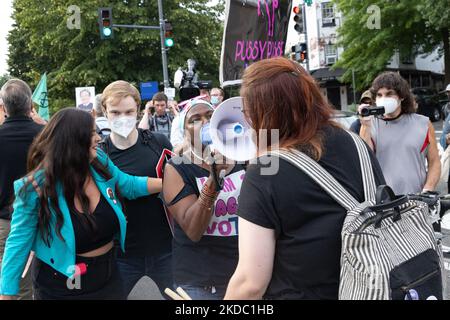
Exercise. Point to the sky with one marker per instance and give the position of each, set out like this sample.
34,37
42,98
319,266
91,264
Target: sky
5,25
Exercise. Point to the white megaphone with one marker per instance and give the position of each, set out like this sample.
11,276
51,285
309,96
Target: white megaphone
231,134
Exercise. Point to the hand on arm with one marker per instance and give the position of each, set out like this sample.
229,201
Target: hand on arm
154,185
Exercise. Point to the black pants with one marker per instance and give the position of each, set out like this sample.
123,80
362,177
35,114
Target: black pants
99,280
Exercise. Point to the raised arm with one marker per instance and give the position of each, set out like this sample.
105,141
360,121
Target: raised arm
192,213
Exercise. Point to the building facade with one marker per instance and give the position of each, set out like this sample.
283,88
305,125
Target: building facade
322,23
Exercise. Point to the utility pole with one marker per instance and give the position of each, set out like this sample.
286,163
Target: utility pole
306,35
162,31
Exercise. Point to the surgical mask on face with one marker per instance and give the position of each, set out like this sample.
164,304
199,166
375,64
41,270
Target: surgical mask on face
205,135
389,104
123,125
215,100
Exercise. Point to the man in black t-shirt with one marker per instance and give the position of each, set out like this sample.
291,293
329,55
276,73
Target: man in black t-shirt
148,250
16,135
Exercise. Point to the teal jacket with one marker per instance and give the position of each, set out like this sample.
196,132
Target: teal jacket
25,235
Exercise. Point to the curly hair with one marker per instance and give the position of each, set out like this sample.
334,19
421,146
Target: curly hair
394,81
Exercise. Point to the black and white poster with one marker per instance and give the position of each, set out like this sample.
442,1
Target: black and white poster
254,30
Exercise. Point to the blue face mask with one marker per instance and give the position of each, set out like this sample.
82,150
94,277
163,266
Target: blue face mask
205,136
215,100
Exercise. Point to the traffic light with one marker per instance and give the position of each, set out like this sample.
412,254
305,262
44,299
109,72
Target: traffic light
300,52
168,34
303,52
105,23
299,21
308,2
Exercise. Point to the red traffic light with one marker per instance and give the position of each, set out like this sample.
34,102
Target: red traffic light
297,10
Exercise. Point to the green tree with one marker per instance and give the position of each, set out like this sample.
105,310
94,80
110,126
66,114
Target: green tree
406,26
437,14
40,41
3,78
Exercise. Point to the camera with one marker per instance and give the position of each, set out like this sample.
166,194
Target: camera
371,111
187,81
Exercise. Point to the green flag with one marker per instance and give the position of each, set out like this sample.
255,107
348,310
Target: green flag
41,99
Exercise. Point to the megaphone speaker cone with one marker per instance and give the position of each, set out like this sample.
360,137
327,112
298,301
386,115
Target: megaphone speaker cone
231,134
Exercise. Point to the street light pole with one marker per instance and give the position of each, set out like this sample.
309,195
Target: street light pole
163,44
306,35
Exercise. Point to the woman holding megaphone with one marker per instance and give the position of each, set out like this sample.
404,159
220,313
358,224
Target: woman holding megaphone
201,193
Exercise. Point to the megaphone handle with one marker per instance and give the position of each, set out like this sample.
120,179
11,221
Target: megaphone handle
218,181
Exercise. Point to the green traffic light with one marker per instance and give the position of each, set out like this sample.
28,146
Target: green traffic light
107,32
169,42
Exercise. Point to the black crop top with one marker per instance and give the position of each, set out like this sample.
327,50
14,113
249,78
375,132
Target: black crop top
106,226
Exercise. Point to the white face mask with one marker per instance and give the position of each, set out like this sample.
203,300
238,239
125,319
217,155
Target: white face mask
390,104
123,125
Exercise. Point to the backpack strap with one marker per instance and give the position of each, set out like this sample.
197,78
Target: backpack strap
327,182
370,187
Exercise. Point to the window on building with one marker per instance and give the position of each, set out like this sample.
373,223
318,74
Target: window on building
328,18
330,54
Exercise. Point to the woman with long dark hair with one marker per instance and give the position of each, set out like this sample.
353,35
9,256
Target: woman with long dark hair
68,211
289,228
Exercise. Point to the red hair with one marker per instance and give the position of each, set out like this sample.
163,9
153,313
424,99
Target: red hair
279,94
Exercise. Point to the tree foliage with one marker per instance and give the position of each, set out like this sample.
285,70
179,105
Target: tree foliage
40,41
406,26
4,78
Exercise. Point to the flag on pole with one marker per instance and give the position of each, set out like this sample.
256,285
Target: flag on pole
41,99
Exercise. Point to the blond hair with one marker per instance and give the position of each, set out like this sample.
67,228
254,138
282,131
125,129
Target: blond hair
119,90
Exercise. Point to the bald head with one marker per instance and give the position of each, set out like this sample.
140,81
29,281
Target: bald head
16,96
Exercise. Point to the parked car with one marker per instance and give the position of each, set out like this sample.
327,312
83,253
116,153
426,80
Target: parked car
428,103
345,118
